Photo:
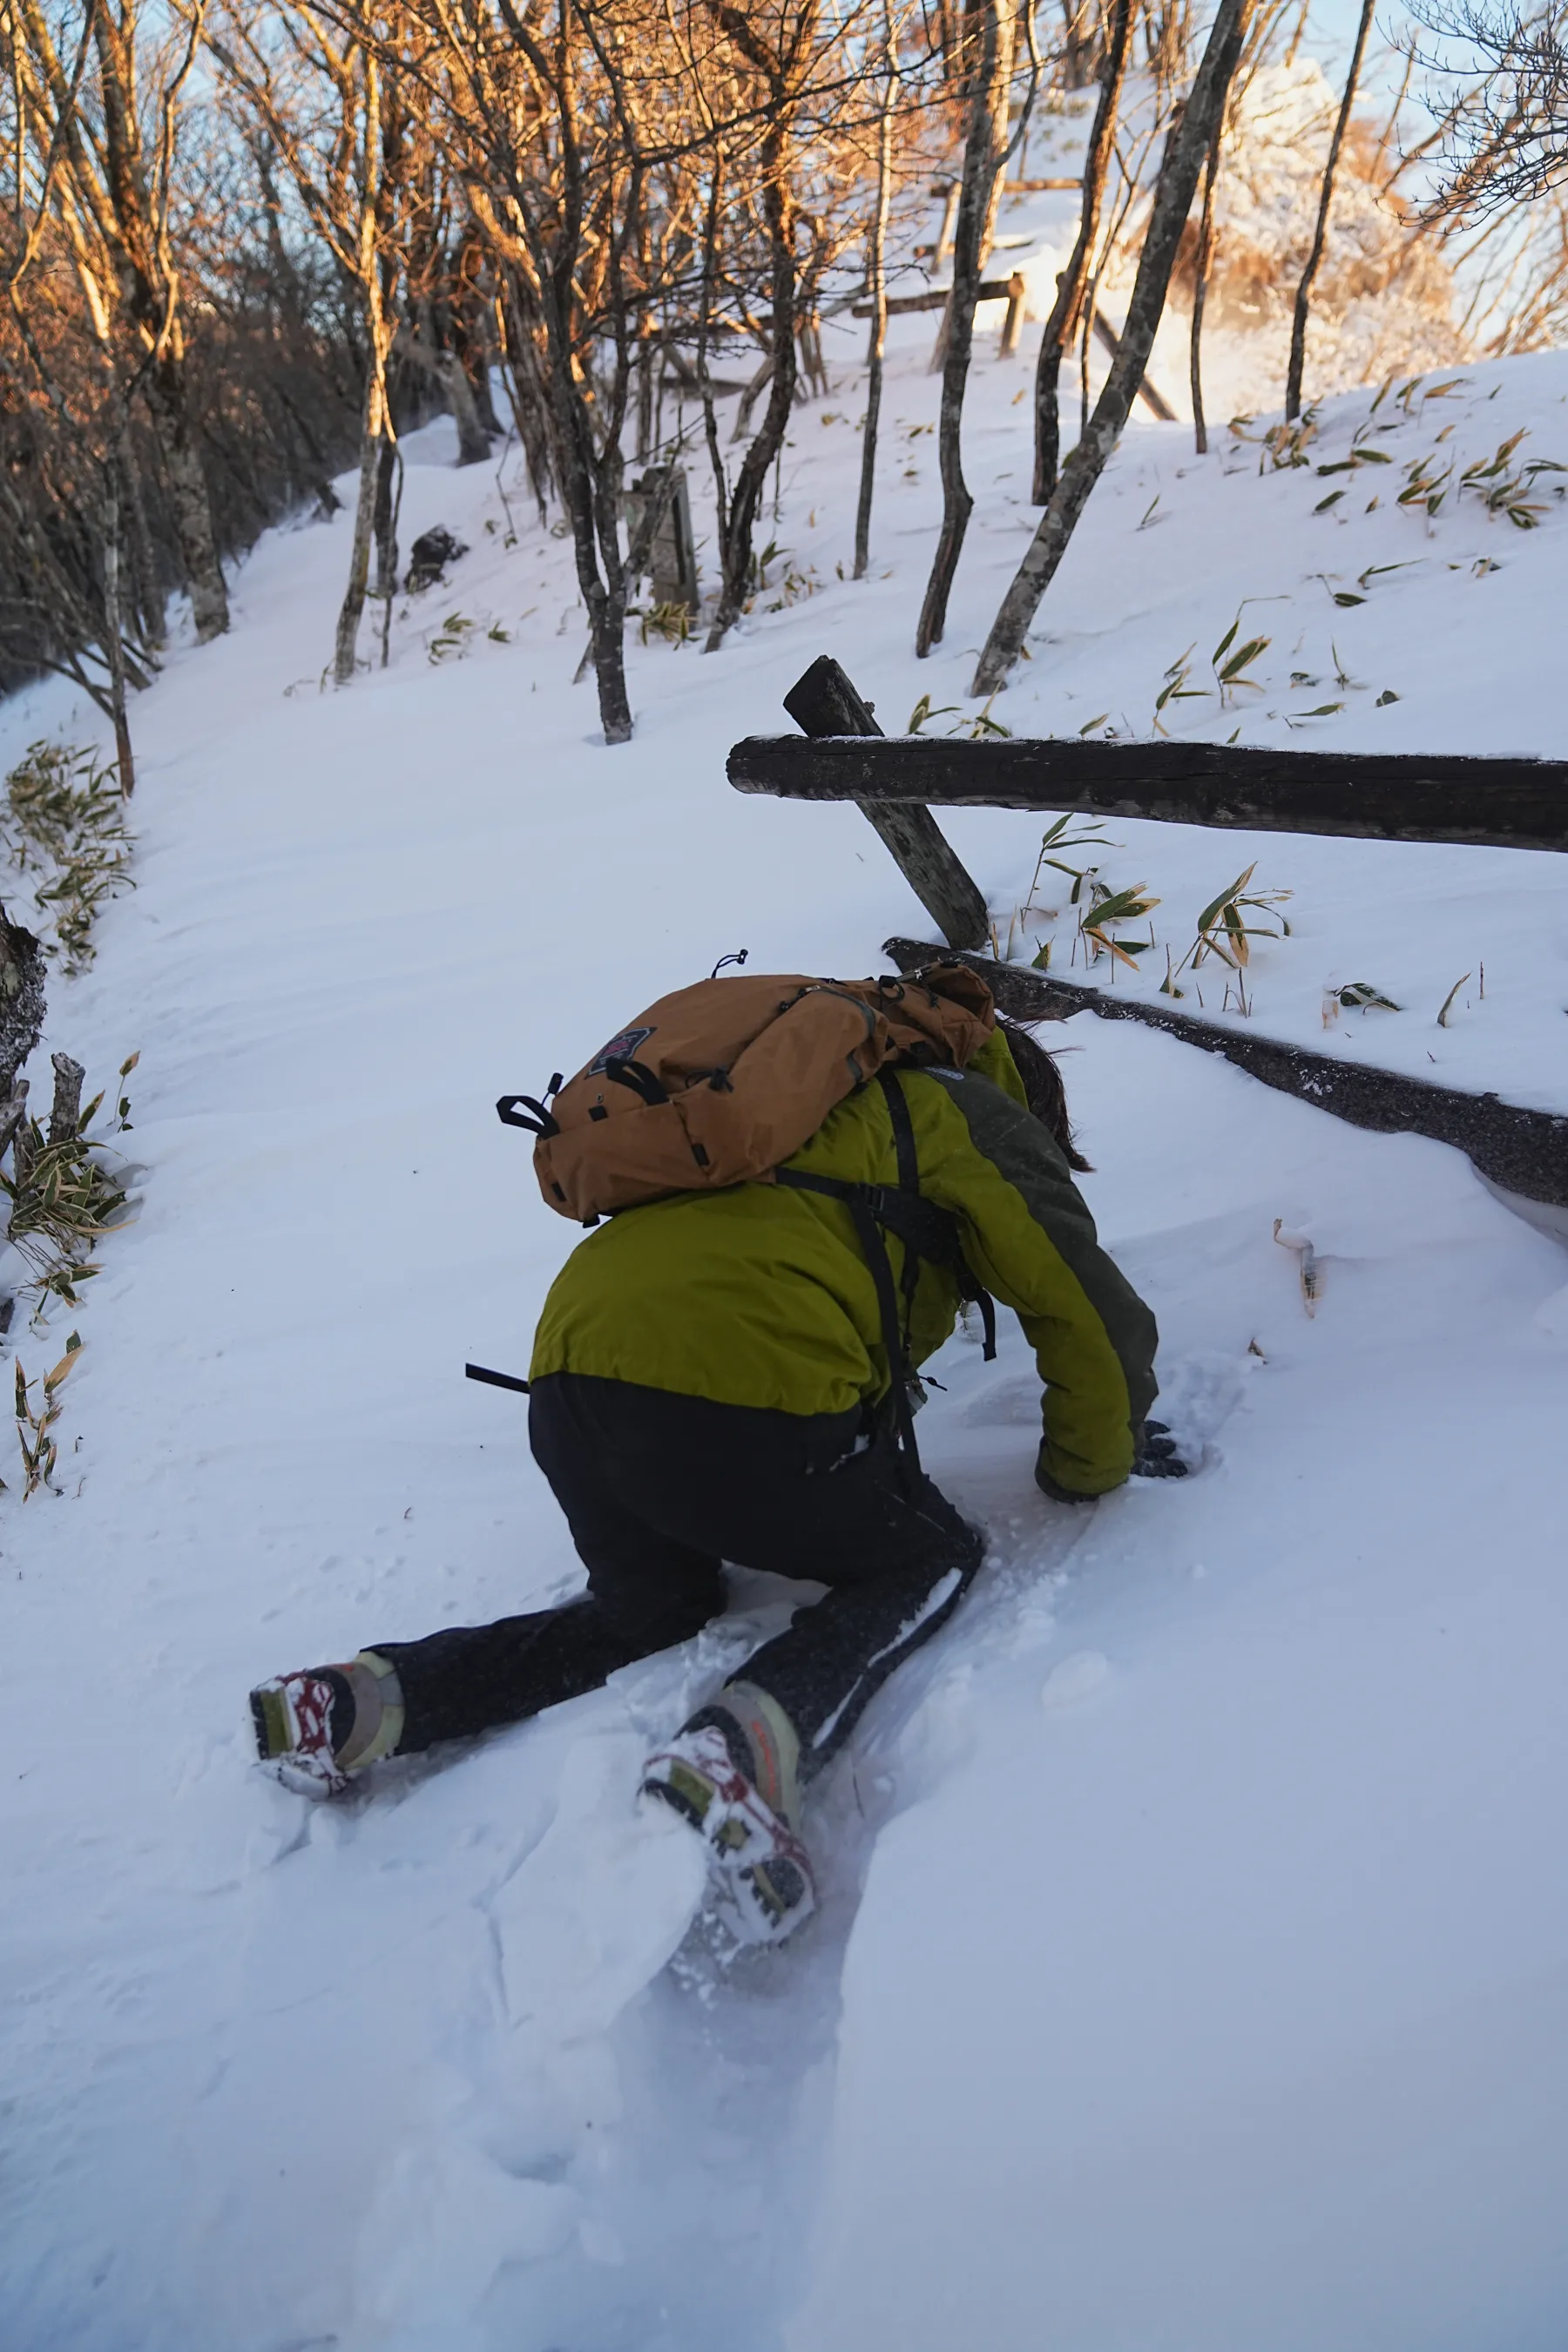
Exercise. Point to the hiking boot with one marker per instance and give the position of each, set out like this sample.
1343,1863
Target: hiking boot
762,1871
316,1730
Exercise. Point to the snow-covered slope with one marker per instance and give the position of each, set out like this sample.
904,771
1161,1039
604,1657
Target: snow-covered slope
1194,1948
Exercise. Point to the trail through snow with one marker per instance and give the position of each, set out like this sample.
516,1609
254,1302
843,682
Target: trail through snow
1194,1954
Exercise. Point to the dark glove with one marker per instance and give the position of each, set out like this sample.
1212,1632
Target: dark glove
1154,1453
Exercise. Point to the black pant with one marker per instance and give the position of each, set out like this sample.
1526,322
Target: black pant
659,1490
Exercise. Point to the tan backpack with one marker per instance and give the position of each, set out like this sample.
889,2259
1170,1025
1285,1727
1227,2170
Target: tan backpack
717,1084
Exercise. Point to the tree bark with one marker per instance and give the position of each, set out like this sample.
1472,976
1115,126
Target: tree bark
124,758
473,441
388,508
1202,262
1297,364
525,391
189,500
352,610
1172,201
877,339
1072,286
984,146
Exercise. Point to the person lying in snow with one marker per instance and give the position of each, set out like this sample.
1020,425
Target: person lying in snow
724,1372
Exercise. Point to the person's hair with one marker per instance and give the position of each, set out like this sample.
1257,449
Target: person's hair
1043,1085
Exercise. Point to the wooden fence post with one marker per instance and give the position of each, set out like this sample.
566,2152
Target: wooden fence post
1012,326
65,1117
825,702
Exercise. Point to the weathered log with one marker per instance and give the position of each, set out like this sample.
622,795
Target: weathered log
824,699
902,306
1375,796
1520,1151
1152,398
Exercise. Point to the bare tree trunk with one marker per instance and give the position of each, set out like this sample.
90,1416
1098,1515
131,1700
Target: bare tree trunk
984,149
1202,261
388,508
353,607
1173,201
189,498
1073,284
590,485
1078,43
473,441
388,491
136,542
525,391
750,398
113,628
750,482
944,235
1298,365
649,359
877,271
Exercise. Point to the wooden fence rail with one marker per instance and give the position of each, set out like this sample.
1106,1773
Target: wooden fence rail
1518,1149
1515,803
1512,804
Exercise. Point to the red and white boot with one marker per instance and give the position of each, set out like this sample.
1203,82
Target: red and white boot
317,1730
710,1774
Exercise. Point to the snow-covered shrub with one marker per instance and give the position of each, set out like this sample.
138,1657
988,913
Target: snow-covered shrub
63,820
1383,298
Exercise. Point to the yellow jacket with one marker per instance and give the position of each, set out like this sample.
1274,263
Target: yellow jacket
762,1295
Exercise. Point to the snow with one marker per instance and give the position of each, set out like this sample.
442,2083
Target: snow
1193,1952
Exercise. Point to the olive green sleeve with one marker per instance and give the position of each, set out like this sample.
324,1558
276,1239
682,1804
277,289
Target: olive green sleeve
1030,1238
994,1060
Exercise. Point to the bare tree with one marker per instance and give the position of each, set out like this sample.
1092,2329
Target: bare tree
1067,312
989,67
321,95
1174,192
552,112
1203,261
776,61
1298,362
877,286
112,200
1503,138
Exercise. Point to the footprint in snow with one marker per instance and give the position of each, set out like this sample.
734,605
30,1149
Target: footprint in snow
1082,1676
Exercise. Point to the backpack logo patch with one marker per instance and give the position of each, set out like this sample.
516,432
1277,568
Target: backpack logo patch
621,1048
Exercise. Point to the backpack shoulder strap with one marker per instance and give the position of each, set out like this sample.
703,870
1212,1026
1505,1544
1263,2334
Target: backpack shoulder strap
859,1198
904,1150
925,1230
